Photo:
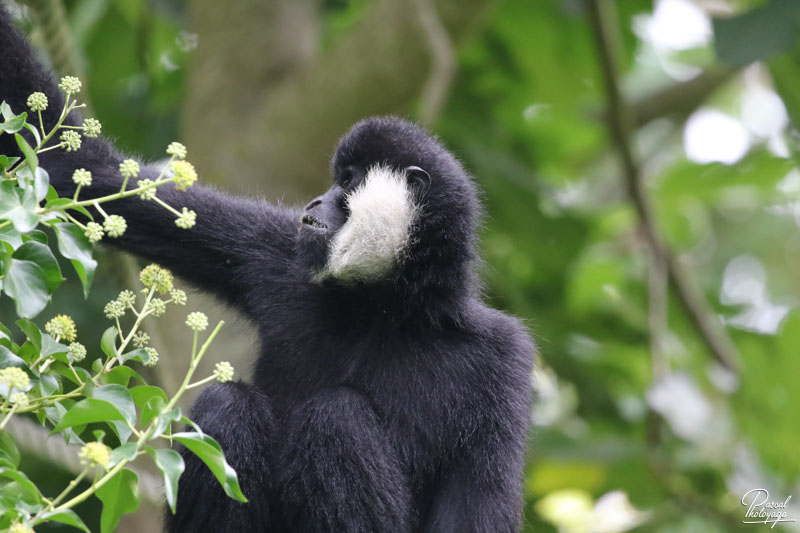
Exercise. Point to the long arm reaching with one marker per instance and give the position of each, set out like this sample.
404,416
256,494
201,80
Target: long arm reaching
234,239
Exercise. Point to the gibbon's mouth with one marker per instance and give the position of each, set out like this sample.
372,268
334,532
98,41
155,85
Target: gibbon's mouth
308,220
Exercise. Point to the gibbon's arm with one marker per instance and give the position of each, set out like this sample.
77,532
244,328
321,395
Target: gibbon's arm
482,491
234,241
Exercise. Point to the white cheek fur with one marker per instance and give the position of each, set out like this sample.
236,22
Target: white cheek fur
369,244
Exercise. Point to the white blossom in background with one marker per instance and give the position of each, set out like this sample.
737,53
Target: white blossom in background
573,511
674,25
744,283
712,136
555,402
613,513
678,399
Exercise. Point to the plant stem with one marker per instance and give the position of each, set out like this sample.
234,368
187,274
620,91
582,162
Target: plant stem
713,334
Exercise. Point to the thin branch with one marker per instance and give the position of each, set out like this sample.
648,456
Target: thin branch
602,17
443,64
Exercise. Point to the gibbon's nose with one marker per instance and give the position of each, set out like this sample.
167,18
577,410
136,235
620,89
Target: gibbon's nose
313,203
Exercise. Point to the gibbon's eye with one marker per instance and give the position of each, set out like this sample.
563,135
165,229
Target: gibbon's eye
418,178
346,177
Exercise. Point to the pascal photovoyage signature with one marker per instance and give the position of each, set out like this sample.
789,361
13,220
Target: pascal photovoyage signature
762,510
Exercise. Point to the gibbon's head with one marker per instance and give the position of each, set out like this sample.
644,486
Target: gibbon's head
401,210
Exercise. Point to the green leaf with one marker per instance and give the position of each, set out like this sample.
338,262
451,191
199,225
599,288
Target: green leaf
8,358
87,411
11,236
41,183
139,354
757,34
28,489
171,465
8,448
108,341
15,124
55,414
121,375
32,332
66,516
119,495
41,255
143,394
126,451
7,162
163,420
26,284
119,397
19,206
74,245
27,151
210,452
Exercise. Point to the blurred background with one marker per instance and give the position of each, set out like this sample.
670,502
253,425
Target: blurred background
638,166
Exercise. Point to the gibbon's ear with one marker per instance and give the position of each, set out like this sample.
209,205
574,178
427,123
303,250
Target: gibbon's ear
419,179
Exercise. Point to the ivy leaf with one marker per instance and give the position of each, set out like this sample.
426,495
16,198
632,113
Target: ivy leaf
126,451
19,206
87,411
41,255
26,284
15,124
172,466
210,452
24,489
32,332
8,449
121,375
74,245
143,394
27,151
119,495
7,162
66,516
108,342
8,358
119,397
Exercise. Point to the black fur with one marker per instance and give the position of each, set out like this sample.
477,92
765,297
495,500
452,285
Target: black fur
394,406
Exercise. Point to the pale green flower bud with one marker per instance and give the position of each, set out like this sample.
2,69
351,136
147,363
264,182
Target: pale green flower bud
129,168
92,127
37,101
115,225
71,141
176,149
82,177
223,372
114,309
140,339
197,321
77,351
157,307
185,174
187,219
147,194
93,232
63,327
178,296
95,454
155,277
14,378
70,85
153,360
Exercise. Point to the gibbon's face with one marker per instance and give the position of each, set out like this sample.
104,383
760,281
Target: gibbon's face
359,229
